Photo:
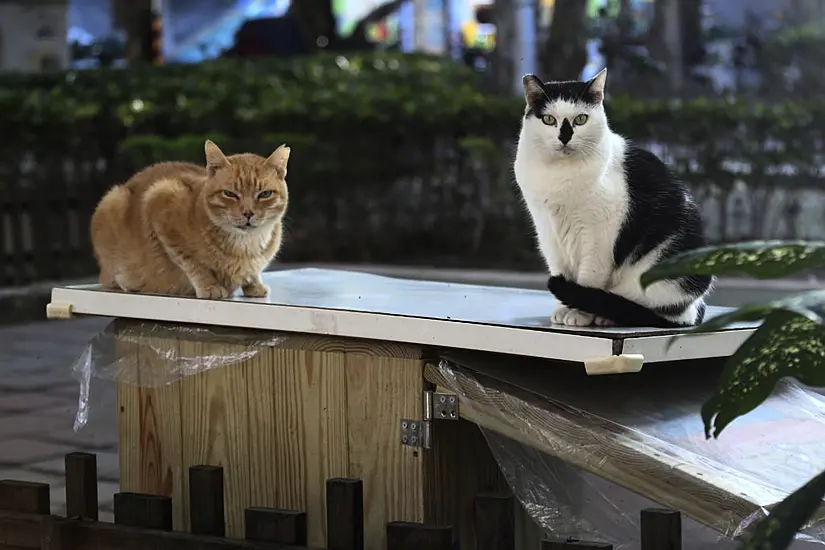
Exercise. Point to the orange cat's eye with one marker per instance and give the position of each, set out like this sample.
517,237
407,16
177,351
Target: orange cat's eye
230,194
265,194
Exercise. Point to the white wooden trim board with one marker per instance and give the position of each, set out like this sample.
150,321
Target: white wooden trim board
362,305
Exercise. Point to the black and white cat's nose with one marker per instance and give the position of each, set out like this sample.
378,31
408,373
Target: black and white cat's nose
565,132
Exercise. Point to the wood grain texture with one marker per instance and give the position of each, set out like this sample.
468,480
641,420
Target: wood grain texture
149,422
280,340
380,392
215,425
306,428
282,417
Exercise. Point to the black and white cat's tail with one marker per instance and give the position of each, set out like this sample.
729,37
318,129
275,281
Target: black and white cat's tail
611,306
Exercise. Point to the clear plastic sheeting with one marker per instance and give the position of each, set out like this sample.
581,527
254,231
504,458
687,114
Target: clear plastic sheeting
151,354
585,454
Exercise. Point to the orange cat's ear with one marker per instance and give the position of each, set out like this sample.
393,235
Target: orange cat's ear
215,159
278,159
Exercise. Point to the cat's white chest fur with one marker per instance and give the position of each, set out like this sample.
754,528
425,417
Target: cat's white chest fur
577,207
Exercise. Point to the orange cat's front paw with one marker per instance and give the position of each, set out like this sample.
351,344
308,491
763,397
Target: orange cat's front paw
211,291
256,290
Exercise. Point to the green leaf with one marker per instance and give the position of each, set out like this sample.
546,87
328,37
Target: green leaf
786,345
810,305
761,259
777,531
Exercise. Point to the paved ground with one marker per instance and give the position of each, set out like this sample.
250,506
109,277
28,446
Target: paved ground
38,402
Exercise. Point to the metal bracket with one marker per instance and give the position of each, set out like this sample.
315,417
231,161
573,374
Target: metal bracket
440,406
437,406
411,431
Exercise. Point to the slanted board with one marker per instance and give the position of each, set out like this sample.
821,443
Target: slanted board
361,305
645,432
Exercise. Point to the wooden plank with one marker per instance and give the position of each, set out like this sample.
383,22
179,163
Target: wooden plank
147,511
495,522
280,418
206,501
459,467
149,423
416,536
661,529
272,525
22,531
297,409
575,545
81,486
215,423
345,514
383,387
25,496
56,534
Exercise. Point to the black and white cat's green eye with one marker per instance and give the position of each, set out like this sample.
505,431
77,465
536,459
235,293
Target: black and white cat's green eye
549,120
230,194
579,120
265,194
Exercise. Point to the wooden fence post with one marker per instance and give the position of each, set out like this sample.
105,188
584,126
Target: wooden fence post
661,529
345,514
206,501
278,526
415,536
495,522
147,511
81,486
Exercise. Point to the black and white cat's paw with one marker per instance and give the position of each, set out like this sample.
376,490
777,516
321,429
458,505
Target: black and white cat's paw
603,322
570,317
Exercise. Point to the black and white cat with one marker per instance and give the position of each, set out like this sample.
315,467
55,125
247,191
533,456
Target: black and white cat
605,211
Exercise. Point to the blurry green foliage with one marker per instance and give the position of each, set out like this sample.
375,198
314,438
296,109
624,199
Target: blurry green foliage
394,157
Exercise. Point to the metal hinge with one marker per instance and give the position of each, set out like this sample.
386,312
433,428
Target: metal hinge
437,406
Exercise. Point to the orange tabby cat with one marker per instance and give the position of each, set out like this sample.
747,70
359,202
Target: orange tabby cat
179,228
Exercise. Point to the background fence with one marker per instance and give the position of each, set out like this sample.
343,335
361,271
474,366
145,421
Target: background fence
394,159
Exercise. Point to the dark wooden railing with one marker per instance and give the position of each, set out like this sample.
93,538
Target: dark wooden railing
144,522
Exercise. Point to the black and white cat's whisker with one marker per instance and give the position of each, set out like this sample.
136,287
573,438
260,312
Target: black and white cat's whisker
604,211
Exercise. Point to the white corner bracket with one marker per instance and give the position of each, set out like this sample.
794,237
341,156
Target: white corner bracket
615,364
59,310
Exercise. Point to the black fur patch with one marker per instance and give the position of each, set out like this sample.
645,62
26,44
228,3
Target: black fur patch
658,210
573,90
599,302
565,132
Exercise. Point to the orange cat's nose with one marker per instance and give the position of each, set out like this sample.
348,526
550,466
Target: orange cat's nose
248,213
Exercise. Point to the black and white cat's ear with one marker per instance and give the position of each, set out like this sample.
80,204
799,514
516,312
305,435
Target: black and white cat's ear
278,160
215,159
533,89
595,86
